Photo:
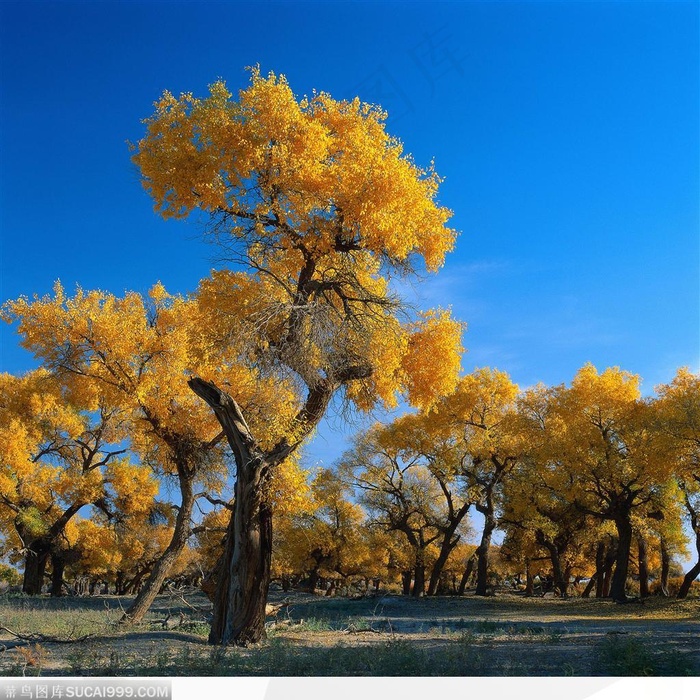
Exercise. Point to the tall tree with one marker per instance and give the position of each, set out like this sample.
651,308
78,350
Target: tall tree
480,414
604,450
317,204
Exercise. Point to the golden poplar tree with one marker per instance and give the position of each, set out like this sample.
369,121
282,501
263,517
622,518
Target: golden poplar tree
318,206
607,455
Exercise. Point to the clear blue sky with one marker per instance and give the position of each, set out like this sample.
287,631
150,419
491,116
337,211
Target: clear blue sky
568,134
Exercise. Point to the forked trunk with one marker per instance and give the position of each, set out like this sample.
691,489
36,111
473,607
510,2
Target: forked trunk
447,546
163,566
561,578
449,542
241,592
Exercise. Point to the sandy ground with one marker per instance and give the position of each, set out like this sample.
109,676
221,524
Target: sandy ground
506,633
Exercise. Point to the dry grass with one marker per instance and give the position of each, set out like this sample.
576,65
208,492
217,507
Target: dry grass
389,635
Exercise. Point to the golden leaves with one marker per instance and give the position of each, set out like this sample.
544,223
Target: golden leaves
432,361
315,160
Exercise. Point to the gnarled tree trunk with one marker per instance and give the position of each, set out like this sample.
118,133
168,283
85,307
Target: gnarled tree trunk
58,567
241,594
241,591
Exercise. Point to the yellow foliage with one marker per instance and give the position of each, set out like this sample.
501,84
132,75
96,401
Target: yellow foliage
319,154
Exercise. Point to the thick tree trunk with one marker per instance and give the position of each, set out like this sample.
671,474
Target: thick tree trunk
665,569
643,563
35,567
241,593
418,589
160,571
482,552
688,580
406,577
313,580
619,579
58,567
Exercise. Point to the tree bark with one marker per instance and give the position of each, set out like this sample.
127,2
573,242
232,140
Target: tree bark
688,580
529,579
561,581
643,563
418,580
619,579
163,566
35,567
447,546
467,574
241,593
665,568
482,552
313,580
58,567
599,569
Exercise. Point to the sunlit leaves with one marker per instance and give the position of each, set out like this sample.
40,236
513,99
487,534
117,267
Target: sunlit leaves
329,163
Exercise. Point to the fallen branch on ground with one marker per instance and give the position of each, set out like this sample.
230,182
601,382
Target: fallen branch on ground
23,640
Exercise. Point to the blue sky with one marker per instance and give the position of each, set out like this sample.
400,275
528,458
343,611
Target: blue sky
568,134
